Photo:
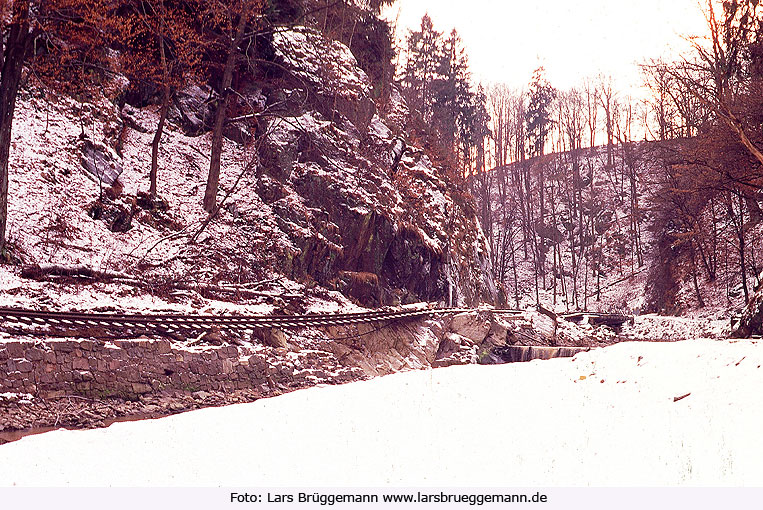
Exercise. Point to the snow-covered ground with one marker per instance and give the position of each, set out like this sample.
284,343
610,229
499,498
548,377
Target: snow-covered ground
634,414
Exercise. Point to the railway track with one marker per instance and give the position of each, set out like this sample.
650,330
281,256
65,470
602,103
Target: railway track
23,321
178,323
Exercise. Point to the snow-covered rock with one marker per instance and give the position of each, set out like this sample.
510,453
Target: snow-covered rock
329,69
330,178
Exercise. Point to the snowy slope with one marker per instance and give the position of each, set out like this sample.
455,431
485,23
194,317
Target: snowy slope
312,197
611,416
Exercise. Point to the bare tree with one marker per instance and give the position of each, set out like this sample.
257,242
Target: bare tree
718,76
18,36
233,19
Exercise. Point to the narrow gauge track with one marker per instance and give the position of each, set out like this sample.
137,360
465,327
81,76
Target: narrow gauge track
175,322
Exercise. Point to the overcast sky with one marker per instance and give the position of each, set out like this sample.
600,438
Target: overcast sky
507,39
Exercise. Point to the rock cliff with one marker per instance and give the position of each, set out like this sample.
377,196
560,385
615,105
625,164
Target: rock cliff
382,226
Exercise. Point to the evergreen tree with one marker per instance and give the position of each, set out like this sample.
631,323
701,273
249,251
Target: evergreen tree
453,98
424,48
437,84
538,114
538,119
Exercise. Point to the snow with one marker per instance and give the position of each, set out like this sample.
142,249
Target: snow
105,297
327,64
16,396
378,129
608,417
656,327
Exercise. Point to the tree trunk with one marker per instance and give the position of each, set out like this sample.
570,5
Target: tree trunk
213,180
157,138
163,112
742,248
16,48
514,271
700,301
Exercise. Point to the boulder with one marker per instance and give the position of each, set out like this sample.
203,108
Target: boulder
455,350
133,118
498,334
449,344
100,163
193,109
272,337
751,320
238,132
471,325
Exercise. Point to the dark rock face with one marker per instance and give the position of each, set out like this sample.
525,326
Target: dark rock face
367,239
381,236
662,286
193,109
411,265
751,322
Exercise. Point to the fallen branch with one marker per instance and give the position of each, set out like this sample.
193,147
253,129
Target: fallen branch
41,272
612,284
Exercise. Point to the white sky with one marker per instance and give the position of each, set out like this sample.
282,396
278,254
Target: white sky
507,39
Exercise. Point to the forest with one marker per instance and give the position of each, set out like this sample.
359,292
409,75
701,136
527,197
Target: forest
576,190
589,185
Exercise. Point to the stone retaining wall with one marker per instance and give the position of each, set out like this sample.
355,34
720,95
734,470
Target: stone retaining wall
129,368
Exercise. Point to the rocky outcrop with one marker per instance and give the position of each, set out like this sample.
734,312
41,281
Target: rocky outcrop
472,338
751,321
662,286
328,191
328,72
490,338
381,236
192,109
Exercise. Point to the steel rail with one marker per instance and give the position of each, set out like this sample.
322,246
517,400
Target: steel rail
194,321
116,324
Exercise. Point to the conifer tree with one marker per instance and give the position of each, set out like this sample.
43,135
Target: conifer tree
424,48
452,102
538,115
538,118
